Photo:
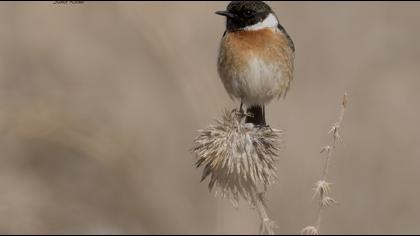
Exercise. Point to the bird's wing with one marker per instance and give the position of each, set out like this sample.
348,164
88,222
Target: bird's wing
288,61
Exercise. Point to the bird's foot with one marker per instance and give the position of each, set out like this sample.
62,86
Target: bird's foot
264,126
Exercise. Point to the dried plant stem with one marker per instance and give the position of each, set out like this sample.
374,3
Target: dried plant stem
322,187
336,137
268,226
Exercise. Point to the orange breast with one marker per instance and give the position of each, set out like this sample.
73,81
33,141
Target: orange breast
267,44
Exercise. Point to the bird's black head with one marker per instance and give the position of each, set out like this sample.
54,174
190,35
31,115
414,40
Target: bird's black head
243,14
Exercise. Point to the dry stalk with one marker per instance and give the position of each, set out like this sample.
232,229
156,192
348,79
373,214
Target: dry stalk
322,187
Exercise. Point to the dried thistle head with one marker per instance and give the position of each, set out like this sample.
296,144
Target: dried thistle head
327,202
310,230
322,188
238,157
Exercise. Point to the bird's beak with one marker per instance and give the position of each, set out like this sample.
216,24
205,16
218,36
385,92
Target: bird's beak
225,13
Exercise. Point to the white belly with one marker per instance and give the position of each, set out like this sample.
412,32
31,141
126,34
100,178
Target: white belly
259,83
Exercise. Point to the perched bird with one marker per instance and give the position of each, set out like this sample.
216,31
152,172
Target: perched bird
256,57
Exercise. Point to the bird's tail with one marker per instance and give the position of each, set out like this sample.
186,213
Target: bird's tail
256,115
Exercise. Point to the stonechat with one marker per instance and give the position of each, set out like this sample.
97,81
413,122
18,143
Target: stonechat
256,57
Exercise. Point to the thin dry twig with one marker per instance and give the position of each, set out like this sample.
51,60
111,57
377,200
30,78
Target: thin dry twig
322,187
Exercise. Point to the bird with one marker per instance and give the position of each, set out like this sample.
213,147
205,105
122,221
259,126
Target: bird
256,57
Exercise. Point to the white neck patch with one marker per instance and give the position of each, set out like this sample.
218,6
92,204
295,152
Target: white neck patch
269,22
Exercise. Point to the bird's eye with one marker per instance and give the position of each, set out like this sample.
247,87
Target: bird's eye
248,13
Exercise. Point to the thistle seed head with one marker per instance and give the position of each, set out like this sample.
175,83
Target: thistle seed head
310,230
238,158
322,188
327,202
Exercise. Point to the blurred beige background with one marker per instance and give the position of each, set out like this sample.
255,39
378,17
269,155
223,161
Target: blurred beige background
100,102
